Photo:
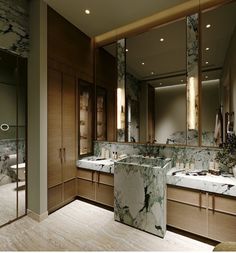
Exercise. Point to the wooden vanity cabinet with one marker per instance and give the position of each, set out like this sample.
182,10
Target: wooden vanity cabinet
96,186
202,213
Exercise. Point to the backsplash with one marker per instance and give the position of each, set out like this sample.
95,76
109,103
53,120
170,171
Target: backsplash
14,26
200,155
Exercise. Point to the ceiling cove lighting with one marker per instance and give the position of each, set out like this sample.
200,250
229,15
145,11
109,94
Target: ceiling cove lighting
87,11
208,26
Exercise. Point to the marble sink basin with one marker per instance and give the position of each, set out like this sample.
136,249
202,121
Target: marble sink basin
146,161
140,193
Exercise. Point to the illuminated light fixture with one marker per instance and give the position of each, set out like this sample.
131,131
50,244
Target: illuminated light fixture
207,48
161,39
126,49
87,11
192,108
120,109
182,80
160,83
207,62
152,73
208,26
206,77
142,63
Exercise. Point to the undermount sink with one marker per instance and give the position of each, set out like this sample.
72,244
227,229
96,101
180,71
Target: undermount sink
140,193
146,161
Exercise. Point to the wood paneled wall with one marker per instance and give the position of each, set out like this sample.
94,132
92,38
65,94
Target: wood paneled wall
69,46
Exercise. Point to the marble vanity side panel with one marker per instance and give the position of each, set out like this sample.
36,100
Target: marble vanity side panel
14,26
140,195
192,77
121,82
201,156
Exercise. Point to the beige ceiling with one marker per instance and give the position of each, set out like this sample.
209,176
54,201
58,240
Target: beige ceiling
107,15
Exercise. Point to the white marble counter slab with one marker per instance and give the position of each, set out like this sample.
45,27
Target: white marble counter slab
209,183
90,162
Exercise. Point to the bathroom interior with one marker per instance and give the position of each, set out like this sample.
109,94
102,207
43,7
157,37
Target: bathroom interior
142,125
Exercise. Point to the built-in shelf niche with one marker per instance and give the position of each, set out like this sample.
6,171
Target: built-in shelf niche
86,121
101,114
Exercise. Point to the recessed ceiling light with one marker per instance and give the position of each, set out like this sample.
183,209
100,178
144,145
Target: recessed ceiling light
161,39
207,48
206,62
160,83
206,77
142,63
152,73
126,49
208,25
87,11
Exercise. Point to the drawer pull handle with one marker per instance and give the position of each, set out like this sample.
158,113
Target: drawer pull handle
60,155
200,200
213,203
64,152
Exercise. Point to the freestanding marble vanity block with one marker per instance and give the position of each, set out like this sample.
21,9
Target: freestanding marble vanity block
140,193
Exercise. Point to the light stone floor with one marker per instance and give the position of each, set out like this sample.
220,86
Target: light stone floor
80,226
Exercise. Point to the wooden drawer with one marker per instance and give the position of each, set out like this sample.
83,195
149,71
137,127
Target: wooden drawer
105,178
222,204
54,196
221,227
86,189
105,194
69,189
86,174
187,217
187,196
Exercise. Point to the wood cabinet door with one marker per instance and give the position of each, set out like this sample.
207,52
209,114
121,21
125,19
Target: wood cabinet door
69,126
187,217
105,194
54,127
86,189
221,226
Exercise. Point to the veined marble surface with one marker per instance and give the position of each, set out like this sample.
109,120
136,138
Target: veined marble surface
140,193
209,183
90,162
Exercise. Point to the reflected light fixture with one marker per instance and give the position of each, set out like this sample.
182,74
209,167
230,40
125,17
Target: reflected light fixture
192,108
208,26
87,11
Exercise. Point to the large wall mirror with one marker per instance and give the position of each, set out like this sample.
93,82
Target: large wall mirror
218,73
179,81
13,98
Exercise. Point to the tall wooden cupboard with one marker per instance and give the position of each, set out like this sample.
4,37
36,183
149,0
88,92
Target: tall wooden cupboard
61,138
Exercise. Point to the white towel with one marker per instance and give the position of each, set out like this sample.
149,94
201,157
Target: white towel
217,133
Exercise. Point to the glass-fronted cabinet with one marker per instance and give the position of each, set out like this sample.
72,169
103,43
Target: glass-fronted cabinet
101,114
86,117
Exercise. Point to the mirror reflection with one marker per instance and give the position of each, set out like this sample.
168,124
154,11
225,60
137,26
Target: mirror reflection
218,61
13,78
